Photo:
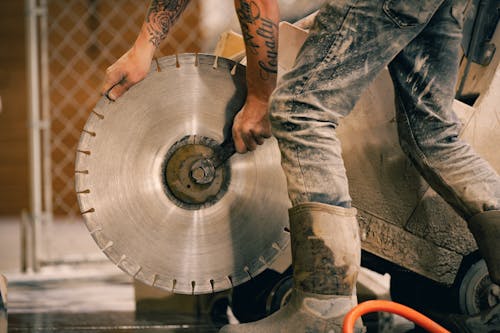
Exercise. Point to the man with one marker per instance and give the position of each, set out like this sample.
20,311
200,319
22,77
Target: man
349,43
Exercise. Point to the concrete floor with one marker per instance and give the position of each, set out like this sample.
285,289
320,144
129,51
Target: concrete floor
90,297
89,300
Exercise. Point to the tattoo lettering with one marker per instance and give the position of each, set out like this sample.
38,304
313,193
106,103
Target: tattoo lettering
161,16
248,13
267,31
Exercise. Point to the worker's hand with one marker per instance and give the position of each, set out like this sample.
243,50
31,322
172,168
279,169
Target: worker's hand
251,125
131,68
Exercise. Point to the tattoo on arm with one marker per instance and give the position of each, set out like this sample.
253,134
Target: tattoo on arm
161,16
267,30
249,15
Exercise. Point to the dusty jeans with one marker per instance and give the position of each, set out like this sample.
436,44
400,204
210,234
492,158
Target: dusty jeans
350,42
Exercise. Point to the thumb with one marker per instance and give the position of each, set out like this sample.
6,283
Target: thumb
112,78
119,89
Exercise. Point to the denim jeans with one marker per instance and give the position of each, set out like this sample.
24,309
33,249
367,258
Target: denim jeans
350,42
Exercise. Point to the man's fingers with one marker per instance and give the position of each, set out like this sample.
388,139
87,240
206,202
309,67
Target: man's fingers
266,134
258,139
260,136
112,78
238,142
243,142
249,141
118,90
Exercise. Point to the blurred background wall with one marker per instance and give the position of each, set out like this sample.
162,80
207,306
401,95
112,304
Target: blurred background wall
13,118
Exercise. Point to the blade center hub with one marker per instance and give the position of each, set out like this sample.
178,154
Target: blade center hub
190,180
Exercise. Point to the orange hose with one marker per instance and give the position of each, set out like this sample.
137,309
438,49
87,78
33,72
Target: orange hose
392,307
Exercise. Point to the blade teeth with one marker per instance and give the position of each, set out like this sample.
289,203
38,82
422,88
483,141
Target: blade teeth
177,63
91,210
86,152
100,116
107,246
158,68
123,257
89,132
96,230
276,246
212,283
155,279
247,270
128,265
138,271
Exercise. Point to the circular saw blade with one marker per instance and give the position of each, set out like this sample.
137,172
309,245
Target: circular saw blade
121,189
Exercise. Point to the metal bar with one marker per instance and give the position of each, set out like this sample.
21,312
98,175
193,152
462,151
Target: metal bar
24,229
76,260
47,224
34,122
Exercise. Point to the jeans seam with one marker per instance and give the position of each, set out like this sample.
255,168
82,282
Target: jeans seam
390,14
307,79
402,25
424,161
304,186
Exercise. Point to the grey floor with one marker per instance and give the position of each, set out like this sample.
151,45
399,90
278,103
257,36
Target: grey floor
89,297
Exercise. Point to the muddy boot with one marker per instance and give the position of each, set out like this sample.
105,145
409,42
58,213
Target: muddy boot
326,254
486,230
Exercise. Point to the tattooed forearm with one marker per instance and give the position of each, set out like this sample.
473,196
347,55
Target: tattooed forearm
248,13
161,16
259,34
267,30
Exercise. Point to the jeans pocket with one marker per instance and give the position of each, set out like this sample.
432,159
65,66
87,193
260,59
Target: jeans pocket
409,13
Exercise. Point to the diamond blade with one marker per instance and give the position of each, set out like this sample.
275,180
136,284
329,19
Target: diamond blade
140,221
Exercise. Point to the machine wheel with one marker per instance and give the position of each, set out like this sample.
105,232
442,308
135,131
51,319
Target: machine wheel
259,297
476,292
279,295
472,292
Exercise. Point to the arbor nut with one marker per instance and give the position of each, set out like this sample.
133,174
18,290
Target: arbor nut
203,171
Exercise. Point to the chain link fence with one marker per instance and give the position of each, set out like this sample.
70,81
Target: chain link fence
84,38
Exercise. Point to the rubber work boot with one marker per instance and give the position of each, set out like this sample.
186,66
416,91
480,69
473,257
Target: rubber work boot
326,254
485,228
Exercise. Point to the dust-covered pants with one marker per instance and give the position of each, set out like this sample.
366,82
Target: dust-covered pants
350,42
